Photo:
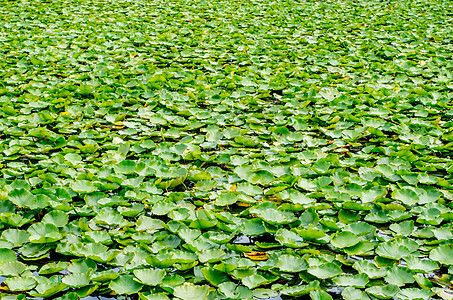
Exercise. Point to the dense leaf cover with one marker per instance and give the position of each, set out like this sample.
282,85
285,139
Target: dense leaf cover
226,149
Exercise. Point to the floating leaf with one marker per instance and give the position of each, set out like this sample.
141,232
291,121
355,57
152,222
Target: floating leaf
125,284
20,283
189,291
324,271
149,276
442,254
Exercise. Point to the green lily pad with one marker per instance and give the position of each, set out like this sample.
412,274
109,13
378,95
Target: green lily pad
351,293
291,263
420,265
125,284
56,217
253,281
383,292
6,256
83,186
344,239
213,276
17,284
53,267
189,291
234,291
320,295
399,276
16,236
442,254
47,287
104,276
76,279
415,294
359,280
13,268
149,276
323,271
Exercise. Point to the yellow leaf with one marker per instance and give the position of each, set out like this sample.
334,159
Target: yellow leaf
257,255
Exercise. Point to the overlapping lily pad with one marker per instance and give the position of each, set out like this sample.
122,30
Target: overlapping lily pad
226,149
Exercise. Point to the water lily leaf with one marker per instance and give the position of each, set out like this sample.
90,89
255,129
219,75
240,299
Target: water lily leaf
23,198
383,292
275,217
344,239
6,256
125,167
324,271
213,276
415,294
184,257
97,252
17,284
146,223
53,267
211,255
300,290
291,263
153,296
35,251
404,228
289,239
370,269
76,279
83,186
320,295
310,233
161,260
361,248
420,265
16,236
234,291
442,254
399,276
125,284
104,276
226,198
351,293
41,233
396,249
264,293
253,281
56,217
163,208
189,291
48,288
407,196
359,280
108,216
307,184
82,266
229,139
149,276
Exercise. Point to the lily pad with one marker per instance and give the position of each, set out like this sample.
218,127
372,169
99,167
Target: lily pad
125,284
